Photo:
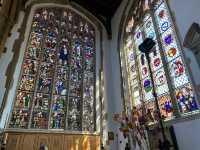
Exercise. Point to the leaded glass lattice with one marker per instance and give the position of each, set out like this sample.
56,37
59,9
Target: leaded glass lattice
57,82
169,71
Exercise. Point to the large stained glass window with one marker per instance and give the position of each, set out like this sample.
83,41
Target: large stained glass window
170,76
56,88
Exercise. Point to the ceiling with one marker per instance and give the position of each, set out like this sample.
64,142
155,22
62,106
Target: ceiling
102,9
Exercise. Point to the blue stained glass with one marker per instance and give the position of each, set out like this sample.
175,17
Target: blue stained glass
147,89
186,99
58,112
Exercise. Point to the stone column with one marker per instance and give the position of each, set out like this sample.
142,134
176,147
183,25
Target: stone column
7,17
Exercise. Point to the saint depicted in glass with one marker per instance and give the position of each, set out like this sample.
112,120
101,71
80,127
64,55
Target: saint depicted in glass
57,84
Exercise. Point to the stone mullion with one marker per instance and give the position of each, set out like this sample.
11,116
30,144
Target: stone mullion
128,75
130,89
139,79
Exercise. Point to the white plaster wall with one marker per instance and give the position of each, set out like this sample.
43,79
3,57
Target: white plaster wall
186,12
115,102
4,62
188,135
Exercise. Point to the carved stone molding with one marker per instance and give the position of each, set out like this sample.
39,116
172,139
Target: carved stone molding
192,38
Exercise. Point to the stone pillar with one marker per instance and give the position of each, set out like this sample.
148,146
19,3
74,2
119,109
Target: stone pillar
7,16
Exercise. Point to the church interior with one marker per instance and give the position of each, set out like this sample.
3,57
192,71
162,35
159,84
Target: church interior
99,75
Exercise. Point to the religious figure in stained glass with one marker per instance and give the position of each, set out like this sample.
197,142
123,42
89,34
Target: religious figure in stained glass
57,82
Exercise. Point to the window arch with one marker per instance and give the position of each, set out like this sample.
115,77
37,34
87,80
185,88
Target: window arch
56,88
170,76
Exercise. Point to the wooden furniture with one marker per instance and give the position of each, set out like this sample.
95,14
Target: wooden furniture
53,141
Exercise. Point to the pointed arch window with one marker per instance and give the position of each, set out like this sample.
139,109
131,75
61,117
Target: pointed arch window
170,76
56,88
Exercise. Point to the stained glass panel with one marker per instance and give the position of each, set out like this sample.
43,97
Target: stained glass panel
138,39
170,47
61,81
27,83
40,116
165,106
177,72
58,112
23,100
155,59
149,29
186,99
160,82
150,112
162,18
20,118
138,70
132,65
147,89
74,114
30,67
58,73
143,66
